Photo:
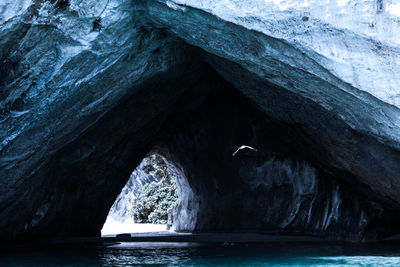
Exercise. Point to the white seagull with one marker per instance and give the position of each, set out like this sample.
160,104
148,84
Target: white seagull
243,147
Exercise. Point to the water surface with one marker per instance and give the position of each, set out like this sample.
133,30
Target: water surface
192,254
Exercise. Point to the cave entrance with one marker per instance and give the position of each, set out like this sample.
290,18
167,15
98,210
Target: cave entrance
147,201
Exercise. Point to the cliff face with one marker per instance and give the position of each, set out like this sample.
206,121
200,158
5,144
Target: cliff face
88,87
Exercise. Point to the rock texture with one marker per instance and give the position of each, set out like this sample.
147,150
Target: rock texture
88,87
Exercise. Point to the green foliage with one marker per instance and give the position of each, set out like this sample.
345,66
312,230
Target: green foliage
155,201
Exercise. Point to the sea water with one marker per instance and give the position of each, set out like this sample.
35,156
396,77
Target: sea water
192,254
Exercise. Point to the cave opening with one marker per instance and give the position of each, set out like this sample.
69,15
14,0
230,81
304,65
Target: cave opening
147,200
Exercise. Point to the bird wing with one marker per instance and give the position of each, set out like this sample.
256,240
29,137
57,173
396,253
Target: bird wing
243,147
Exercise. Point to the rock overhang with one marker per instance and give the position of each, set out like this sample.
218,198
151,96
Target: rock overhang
66,92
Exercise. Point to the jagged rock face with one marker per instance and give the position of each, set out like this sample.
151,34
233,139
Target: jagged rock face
87,87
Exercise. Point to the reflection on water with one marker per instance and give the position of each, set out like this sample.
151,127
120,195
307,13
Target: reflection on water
354,261
191,254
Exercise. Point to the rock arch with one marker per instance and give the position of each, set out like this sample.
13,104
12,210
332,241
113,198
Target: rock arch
77,118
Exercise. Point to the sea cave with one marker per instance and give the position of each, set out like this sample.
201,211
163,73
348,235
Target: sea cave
255,117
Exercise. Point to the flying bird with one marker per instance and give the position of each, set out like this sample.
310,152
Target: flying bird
243,147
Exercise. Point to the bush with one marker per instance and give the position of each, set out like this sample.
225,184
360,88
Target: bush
155,201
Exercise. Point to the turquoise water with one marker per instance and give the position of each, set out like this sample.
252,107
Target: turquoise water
174,254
